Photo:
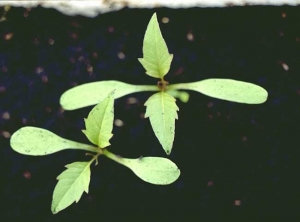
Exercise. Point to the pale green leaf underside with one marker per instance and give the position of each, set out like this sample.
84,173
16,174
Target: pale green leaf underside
99,123
162,112
227,89
182,95
155,170
92,93
157,59
72,183
37,142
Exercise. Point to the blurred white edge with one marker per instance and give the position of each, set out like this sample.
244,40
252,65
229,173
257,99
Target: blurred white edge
92,8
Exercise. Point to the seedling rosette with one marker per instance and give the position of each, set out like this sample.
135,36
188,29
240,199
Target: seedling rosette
161,107
76,178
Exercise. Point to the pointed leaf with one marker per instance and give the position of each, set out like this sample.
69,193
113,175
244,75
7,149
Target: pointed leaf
99,123
72,182
227,89
156,60
162,112
37,142
92,93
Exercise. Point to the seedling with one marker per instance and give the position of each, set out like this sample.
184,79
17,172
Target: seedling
76,178
161,106
161,109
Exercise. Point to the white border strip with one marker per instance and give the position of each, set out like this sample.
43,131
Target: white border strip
92,8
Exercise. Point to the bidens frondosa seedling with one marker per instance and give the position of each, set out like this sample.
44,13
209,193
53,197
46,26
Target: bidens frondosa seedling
76,178
161,107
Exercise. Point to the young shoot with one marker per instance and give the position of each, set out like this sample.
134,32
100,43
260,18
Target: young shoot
76,178
161,107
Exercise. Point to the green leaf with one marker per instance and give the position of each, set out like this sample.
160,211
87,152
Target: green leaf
72,182
92,93
37,142
182,95
227,89
99,122
155,170
156,60
162,112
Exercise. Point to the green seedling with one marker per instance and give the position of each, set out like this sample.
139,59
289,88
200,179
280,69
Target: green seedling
76,178
161,107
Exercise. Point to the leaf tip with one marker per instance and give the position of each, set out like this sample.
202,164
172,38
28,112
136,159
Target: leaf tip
54,208
54,211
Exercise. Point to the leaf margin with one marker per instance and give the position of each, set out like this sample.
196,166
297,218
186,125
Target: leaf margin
163,59
167,139
19,138
102,113
89,94
55,207
259,94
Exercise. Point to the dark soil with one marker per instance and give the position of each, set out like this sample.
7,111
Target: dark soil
237,161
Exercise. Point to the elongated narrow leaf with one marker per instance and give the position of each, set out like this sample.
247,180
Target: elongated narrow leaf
99,123
155,170
156,60
227,89
72,182
37,142
162,112
92,93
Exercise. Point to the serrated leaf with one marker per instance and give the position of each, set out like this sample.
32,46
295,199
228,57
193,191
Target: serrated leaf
162,112
92,93
99,122
157,59
227,89
37,142
72,183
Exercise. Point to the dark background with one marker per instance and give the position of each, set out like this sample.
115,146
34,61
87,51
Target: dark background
237,161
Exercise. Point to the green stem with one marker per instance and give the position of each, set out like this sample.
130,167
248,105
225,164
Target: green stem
114,157
95,157
142,88
91,149
177,86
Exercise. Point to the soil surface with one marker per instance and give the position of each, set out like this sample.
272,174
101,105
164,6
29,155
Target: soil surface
237,161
